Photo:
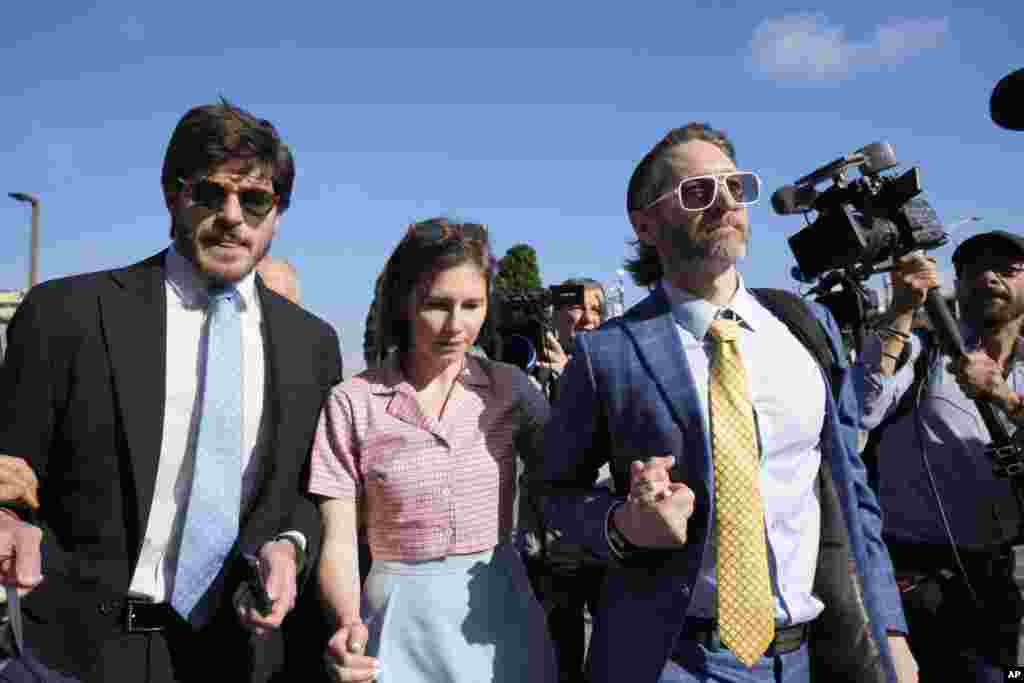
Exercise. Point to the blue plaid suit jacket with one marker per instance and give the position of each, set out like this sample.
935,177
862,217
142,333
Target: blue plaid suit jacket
628,394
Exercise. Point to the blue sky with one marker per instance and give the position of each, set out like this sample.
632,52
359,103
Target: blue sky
528,116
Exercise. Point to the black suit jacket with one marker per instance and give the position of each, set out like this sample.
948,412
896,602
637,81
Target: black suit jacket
82,399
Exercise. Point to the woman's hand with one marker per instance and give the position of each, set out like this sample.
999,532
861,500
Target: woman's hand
345,660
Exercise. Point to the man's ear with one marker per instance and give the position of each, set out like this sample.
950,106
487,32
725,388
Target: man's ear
170,197
643,225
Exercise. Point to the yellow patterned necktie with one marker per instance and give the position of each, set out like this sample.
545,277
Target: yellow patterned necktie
746,608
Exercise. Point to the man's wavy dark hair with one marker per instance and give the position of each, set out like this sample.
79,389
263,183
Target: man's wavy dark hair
211,134
652,178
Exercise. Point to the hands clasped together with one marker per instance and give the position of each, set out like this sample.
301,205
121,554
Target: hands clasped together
20,558
345,659
657,510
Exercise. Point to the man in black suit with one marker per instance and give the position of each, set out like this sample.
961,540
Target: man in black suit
115,392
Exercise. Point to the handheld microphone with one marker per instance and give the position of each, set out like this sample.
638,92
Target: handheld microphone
948,334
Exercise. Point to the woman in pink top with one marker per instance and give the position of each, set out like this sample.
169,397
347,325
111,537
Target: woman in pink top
425,447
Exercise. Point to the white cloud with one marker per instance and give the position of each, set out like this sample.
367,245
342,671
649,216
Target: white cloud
808,47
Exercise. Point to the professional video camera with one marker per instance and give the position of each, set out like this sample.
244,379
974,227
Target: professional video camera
521,319
861,226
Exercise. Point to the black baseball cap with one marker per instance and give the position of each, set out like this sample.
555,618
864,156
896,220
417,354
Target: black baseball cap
1007,103
1000,238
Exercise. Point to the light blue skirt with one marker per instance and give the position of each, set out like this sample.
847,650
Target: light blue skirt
459,619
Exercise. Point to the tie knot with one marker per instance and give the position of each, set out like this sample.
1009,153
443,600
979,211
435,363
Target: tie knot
724,330
219,293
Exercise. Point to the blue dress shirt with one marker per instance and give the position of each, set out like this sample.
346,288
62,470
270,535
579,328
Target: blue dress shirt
979,507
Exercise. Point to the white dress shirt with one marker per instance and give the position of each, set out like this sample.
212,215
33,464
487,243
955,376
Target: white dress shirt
186,349
788,393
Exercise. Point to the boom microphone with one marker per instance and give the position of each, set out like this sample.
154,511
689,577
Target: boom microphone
790,199
1005,105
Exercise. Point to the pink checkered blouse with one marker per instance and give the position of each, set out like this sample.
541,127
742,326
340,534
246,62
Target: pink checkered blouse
430,488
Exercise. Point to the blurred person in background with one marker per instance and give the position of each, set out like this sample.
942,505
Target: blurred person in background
281,276
567,584
570,320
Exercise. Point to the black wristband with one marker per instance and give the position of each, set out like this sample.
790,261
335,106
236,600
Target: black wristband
622,545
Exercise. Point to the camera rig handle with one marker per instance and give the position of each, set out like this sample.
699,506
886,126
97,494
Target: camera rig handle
952,343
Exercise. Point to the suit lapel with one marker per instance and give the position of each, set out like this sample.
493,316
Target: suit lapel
654,334
134,320
282,366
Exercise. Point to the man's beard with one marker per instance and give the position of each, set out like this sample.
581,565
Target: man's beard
977,312
683,248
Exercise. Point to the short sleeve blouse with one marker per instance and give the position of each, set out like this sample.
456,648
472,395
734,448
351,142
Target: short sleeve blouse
430,488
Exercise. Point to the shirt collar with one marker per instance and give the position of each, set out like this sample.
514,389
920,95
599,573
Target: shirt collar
695,314
190,286
391,380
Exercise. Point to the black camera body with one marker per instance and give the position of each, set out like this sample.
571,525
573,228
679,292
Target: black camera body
861,222
521,319
862,225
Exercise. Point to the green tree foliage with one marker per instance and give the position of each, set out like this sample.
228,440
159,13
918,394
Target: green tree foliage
518,269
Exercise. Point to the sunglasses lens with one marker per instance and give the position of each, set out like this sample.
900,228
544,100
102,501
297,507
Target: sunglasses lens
697,193
435,232
209,194
213,195
256,202
744,187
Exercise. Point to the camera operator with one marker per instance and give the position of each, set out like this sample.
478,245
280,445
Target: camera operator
568,587
946,514
571,319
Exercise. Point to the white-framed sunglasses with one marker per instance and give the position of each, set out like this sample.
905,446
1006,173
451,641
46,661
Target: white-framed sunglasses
698,193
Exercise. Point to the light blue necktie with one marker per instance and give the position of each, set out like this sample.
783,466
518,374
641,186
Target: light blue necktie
211,516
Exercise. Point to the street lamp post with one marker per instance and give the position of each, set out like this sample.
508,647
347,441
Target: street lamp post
33,273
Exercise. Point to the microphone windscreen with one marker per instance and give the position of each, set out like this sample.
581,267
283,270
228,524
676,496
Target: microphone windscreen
784,200
878,157
1007,104
790,199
